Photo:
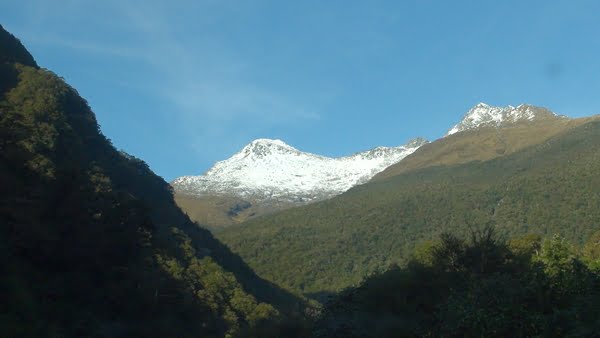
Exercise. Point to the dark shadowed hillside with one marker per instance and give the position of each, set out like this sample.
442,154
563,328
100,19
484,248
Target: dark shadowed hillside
13,51
91,241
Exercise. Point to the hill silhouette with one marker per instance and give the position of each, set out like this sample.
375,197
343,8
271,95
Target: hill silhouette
91,240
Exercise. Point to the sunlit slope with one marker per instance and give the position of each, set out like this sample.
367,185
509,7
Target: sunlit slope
217,212
482,144
551,187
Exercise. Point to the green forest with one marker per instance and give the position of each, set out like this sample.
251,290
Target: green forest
482,286
546,189
92,243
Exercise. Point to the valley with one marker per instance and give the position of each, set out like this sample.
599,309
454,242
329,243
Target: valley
488,231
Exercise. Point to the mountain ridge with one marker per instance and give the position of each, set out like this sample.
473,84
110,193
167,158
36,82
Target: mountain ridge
497,133
484,115
12,50
267,175
293,178
268,169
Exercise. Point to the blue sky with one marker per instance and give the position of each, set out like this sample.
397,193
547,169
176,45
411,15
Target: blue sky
182,84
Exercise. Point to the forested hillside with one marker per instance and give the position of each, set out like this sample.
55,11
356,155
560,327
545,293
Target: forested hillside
91,241
548,188
479,287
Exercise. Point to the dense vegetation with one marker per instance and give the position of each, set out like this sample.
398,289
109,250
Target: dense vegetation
91,241
483,287
549,188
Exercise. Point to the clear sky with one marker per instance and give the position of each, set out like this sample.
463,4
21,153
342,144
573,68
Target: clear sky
182,84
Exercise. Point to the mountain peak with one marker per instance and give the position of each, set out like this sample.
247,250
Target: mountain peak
271,169
484,115
268,141
416,142
263,147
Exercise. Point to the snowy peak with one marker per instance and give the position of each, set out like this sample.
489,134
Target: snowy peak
416,142
270,169
265,147
485,115
390,152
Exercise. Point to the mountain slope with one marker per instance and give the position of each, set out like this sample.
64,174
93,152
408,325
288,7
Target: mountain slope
91,241
269,175
13,51
550,188
483,141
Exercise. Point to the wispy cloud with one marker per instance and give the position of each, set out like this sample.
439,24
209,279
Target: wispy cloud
90,47
204,81
208,83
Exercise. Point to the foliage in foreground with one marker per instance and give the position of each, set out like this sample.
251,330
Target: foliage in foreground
483,287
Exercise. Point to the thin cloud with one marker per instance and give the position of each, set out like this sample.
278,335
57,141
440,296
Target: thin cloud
203,81
84,46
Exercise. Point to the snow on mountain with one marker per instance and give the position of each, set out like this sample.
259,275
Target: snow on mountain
484,115
272,170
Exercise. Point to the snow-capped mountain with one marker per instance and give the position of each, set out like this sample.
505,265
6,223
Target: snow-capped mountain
272,170
484,115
